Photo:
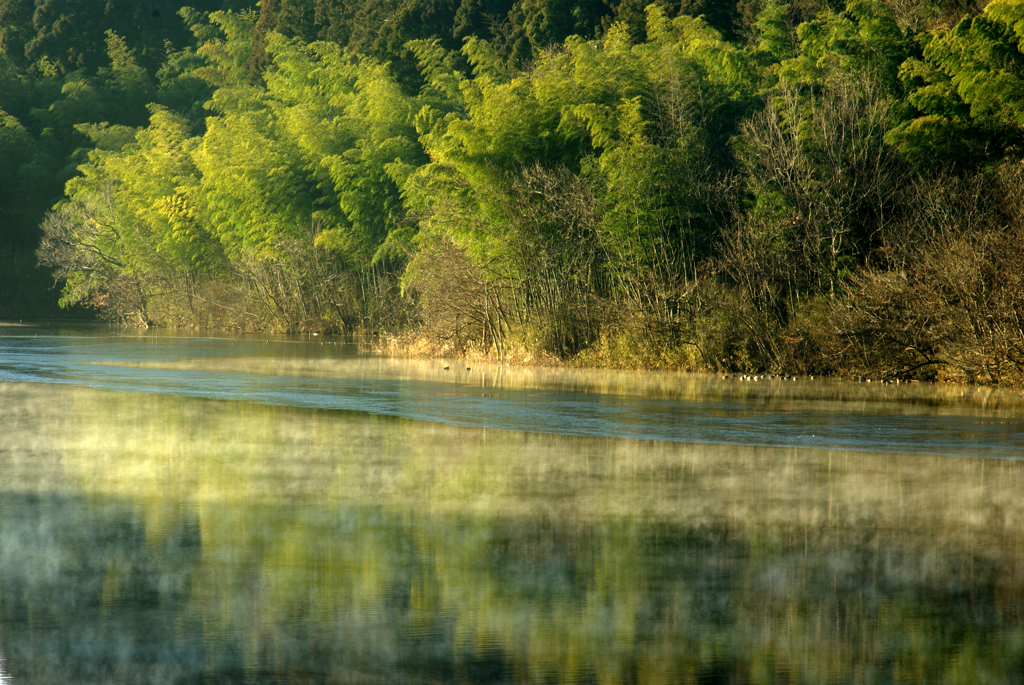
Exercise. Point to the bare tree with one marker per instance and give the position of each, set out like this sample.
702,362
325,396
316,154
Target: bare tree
949,298
822,185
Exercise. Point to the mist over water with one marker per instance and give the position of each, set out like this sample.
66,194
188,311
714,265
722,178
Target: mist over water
683,408
204,510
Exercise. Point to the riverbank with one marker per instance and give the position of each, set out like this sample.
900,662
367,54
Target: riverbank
625,350
804,353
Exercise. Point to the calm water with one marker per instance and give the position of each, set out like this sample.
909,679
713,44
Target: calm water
222,510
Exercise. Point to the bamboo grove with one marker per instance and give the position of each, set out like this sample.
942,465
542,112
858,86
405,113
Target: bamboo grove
793,188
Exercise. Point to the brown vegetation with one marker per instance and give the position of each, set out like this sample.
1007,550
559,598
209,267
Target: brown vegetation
940,295
949,298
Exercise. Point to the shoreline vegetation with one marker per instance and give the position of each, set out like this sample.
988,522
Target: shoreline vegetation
814,188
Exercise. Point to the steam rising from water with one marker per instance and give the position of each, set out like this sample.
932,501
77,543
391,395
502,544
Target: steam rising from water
947,420
210,512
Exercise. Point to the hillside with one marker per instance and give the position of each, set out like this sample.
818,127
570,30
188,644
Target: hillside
802,188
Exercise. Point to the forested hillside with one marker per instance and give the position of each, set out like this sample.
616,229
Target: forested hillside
801,188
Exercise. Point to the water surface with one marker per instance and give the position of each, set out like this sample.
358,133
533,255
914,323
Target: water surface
279,510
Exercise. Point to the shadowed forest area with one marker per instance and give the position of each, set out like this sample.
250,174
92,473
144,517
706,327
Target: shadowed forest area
754,186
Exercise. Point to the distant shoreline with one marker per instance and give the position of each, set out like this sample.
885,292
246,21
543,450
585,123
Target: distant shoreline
417,345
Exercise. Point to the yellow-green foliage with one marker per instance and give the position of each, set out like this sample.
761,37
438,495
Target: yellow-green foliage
671,197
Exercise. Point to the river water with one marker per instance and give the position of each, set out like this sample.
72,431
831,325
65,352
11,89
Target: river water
180,509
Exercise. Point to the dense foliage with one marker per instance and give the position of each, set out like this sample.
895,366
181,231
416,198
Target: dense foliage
805,188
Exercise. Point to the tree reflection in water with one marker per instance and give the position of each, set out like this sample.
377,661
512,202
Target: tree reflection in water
154,539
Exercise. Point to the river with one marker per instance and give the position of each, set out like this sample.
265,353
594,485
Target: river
186,509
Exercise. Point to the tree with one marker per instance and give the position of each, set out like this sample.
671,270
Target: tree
129,227
968,89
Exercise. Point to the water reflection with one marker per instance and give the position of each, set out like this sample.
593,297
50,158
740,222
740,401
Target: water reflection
392,597
148,538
